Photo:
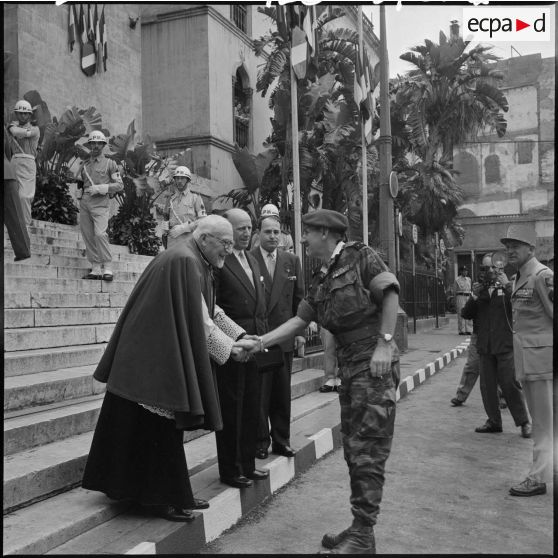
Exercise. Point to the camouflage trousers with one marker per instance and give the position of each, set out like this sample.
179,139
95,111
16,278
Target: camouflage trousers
367,422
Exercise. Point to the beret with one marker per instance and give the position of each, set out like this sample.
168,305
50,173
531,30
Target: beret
326,218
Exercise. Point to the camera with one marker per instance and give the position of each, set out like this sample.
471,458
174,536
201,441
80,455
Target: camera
492,264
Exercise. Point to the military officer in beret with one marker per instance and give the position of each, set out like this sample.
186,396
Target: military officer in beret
355,297
532,294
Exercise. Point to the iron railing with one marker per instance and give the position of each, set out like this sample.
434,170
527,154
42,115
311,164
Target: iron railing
239,14
240,132
423,303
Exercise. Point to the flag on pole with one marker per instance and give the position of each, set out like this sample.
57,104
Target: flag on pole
104,39
90,25
71,27
303,39
88,58
98,43
82,26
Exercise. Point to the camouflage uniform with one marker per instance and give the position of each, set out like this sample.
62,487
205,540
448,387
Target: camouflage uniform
339,299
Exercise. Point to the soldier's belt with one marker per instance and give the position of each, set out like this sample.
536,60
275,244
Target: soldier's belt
347,337
466,293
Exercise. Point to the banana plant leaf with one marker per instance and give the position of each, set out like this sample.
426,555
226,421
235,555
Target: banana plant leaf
121,144
252,167
41,114
91,119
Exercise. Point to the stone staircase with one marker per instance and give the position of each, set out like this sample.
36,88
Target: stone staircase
56,326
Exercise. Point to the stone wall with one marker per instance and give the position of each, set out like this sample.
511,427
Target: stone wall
43,62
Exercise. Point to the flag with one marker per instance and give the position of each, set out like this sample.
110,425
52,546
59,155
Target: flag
364,84
103,27
88,57
98,43
281,19
303,39
82,26
71,27
299,52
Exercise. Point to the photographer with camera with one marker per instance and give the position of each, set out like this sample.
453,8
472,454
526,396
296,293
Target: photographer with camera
490,306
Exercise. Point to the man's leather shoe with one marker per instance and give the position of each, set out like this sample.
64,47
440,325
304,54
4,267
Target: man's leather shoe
526,430
528,487
456,402
200,504
327,389
262,454
287,451
329,540
258,475
357,541
488,428
171,513
239,481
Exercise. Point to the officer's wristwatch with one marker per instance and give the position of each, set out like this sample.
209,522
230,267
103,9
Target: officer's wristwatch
386,337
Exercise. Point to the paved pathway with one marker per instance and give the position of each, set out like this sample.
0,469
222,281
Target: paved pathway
446,486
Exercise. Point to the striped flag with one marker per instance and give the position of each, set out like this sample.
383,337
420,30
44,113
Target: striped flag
98,43
82,26
71,27
303,39
103,29
88,57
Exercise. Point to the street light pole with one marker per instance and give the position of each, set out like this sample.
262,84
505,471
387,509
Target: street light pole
387,233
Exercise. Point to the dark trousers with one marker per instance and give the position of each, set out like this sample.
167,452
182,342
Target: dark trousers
14,220
470,371
275,408
499,370
239,394
367,423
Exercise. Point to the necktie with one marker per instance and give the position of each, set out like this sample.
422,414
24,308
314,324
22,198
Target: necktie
246,266
270,261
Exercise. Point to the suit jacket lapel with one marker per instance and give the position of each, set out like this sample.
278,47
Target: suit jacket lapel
237,270
279,278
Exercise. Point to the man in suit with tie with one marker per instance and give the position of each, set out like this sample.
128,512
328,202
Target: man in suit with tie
240,293
284,289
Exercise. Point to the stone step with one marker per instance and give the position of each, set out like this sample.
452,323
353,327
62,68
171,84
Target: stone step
46,388
44,249
48,271
64,300
37,262
51,232
37,285
36,473
81,511
49,317
18,363
21,339
38,426
64,458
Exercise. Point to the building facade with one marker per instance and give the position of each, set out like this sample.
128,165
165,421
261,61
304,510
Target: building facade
511,179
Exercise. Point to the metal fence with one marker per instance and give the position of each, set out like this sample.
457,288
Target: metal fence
423,304
241,132
239,16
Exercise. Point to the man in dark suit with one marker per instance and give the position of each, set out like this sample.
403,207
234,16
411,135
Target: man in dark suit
240,293
284,289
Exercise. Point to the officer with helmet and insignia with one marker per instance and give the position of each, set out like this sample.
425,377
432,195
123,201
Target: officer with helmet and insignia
101,178
183,208
356,298
532,303
24,141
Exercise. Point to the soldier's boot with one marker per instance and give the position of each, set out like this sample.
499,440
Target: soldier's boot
330,540
357,541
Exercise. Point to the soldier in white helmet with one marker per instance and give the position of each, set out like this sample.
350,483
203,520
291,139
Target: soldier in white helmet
100,178
532,294
24,139
285,238
183,208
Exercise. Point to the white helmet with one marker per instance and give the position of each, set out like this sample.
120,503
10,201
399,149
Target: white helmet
182,171
97,135
269,210
23,106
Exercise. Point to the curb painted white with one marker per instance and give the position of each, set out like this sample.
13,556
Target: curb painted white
225,509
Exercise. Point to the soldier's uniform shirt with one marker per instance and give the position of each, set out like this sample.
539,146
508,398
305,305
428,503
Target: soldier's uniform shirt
185,207
26,139
94,208
346,298
533,314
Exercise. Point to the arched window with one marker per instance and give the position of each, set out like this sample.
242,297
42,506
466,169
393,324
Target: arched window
242,100
492,169
468,178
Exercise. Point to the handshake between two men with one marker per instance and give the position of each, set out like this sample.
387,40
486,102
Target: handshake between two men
244,349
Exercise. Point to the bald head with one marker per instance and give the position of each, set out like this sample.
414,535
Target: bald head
242,227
